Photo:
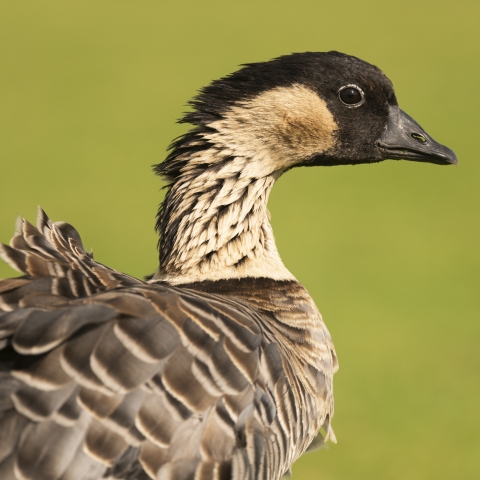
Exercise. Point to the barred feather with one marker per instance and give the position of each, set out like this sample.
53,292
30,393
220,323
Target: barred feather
144,380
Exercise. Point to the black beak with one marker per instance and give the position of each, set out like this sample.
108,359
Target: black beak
405,139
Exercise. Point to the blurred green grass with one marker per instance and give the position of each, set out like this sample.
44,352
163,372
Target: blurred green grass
89,92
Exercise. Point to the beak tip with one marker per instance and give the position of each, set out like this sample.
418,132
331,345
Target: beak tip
452,158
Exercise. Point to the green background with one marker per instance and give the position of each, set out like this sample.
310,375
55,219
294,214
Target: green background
89,92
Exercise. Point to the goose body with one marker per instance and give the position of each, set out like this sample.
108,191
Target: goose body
220,366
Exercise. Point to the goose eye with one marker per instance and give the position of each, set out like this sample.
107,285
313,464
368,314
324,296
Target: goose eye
351,95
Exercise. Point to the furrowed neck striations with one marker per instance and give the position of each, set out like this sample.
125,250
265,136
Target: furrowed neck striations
214,223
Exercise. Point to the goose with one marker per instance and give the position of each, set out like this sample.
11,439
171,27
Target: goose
219,366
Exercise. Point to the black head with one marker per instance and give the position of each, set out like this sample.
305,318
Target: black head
316,108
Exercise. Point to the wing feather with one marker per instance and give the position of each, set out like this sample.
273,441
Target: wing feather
40,405
36,458
44,374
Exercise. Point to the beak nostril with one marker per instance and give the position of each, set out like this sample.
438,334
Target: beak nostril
418,137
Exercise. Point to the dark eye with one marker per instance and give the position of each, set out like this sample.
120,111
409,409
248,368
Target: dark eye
351,95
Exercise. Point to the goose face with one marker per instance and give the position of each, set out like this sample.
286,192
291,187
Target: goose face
312,109
371,126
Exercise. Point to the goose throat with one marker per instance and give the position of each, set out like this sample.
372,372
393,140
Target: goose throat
214,224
